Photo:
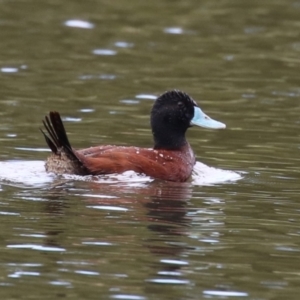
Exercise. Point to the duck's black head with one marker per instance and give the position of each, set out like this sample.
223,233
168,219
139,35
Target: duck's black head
172,114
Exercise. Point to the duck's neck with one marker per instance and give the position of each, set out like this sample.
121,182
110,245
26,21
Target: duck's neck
169,141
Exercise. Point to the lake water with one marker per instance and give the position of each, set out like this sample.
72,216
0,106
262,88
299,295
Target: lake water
232,231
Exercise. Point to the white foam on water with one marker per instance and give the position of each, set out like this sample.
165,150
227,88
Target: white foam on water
32,173
205,175
24,173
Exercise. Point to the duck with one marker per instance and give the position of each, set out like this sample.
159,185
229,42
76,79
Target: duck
170,159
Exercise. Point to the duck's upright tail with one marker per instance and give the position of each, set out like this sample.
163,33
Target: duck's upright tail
64,160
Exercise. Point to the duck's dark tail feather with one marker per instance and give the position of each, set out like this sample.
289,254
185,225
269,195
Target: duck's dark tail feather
65,159
57,139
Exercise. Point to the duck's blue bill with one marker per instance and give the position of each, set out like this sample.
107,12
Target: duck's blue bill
203,120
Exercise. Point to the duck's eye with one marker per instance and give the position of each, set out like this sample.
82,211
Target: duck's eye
180,104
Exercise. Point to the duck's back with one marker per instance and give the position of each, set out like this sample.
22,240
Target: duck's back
175,165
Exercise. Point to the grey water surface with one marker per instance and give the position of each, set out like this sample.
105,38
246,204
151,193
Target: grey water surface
101,64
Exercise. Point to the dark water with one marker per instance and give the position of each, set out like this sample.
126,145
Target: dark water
138,239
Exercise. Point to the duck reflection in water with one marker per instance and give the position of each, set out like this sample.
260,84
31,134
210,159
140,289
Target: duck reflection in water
162,207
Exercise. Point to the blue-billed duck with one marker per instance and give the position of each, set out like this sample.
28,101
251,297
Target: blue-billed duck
171,157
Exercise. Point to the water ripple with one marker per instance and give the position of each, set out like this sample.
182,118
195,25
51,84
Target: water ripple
225,293
121,44
168,281
146,96
84,272
107,52
174,262
18,274
79,24
174,30
9,70
104,207
36,247
128,297
58,282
